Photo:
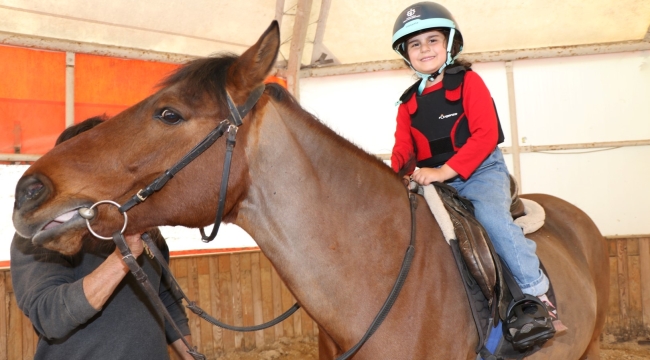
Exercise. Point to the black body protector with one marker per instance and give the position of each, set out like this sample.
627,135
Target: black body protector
436,117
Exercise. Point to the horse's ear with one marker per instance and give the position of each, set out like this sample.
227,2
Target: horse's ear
254,64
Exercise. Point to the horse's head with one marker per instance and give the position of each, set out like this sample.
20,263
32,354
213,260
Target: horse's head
116,159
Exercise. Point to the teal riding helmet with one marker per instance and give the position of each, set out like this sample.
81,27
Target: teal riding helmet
422,16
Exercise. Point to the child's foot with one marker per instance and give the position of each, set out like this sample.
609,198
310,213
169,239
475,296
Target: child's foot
529,322
552,312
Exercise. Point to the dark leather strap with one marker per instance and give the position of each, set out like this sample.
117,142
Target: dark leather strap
401,278
161,181
235,117
223,188
196,309
143,280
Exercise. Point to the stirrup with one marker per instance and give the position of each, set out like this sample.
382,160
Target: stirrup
528,323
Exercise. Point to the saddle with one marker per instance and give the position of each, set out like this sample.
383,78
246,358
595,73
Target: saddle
488,283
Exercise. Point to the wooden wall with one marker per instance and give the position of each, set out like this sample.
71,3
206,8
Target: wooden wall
243,289
629,287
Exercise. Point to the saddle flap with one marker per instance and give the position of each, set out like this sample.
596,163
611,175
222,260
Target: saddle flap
474,243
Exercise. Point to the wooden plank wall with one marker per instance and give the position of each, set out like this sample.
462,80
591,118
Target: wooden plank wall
629,288
244,289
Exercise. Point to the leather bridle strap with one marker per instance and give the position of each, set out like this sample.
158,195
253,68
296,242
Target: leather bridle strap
195,308
152,294
234,118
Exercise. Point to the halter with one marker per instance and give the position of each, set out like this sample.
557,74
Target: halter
229,125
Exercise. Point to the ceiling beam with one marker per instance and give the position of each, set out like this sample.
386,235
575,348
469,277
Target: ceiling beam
489,56
301,22
51,44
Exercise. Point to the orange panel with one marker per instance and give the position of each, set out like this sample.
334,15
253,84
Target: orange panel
105,85
32,99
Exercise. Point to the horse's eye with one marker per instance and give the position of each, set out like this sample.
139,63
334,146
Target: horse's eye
169,117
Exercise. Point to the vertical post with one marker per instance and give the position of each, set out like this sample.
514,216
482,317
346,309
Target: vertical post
303,10
69,88
514,131
320,30
279,11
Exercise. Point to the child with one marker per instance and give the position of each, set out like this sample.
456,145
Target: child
449,122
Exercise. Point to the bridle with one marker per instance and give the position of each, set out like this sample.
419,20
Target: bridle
229,126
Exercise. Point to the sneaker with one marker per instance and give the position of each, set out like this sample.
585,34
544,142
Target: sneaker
528,323
552,312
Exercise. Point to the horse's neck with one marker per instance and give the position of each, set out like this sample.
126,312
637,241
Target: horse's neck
320,212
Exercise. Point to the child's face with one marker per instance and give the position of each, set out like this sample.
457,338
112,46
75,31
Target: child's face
427,52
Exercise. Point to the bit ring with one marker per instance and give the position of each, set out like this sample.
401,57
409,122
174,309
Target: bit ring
106,202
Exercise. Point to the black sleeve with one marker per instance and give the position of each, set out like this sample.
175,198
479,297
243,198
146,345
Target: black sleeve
46,289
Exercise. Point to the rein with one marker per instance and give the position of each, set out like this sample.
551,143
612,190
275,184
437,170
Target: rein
229,125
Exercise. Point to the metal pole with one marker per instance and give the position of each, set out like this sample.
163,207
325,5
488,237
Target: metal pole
69,89
514,130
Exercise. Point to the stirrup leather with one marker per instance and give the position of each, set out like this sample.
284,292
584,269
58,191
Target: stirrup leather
528,323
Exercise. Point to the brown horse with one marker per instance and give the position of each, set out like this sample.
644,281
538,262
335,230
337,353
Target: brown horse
333,220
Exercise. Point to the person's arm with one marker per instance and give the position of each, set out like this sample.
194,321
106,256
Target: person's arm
49,292
181,350
403,149
99,285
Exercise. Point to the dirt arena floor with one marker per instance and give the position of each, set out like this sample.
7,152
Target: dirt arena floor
306,349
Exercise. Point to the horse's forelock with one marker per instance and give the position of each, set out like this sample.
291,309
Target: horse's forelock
202,76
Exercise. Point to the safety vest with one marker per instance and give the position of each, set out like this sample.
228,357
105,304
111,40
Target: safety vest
442,121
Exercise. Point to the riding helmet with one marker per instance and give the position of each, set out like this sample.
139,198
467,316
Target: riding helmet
422,16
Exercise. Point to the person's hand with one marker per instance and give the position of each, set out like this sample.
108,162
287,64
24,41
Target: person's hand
426,176
134,243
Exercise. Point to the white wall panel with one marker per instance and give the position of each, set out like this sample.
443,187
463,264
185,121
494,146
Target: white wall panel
610,186
359,107
584,99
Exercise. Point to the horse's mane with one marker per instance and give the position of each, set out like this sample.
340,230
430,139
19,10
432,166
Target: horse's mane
208,76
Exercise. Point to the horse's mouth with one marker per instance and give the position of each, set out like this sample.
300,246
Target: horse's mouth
62,223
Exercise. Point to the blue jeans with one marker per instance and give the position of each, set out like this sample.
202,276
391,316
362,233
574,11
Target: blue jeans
488,188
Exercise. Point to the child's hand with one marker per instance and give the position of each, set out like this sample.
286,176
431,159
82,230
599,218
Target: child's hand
426,176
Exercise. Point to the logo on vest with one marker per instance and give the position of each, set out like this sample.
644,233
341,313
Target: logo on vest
443,116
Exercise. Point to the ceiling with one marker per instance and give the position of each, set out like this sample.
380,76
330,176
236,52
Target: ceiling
338,32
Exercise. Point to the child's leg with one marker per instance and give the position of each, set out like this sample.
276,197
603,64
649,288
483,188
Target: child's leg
489,190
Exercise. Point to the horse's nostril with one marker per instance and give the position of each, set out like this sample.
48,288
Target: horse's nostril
28,189
33,190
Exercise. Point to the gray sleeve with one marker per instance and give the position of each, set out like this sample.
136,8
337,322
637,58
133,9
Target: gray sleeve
46,289
174,305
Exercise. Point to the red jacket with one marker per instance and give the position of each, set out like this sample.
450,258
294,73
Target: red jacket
482,121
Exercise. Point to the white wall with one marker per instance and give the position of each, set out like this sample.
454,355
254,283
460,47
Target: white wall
559,101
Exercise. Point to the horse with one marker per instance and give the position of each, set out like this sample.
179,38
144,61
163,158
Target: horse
333,220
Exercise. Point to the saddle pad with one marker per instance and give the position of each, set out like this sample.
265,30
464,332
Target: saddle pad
534,217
